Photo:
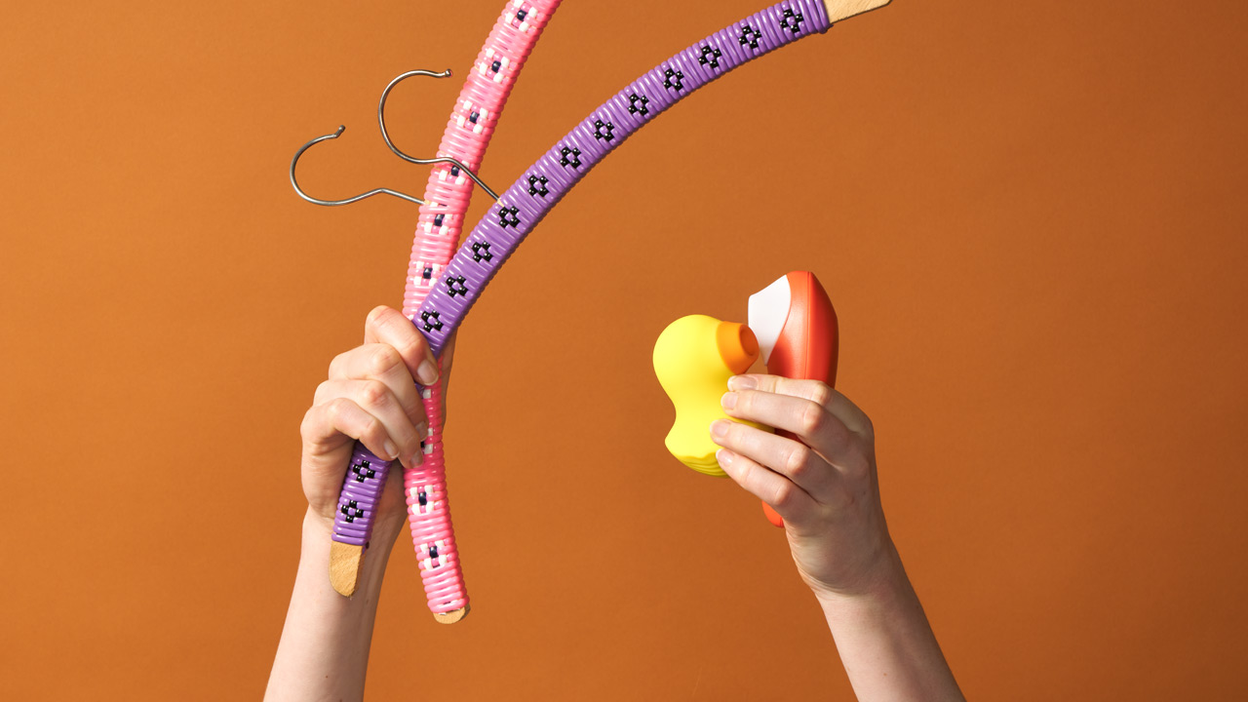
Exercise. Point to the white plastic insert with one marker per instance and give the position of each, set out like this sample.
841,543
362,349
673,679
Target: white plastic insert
768,311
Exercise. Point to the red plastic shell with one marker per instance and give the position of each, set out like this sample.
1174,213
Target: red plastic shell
808,343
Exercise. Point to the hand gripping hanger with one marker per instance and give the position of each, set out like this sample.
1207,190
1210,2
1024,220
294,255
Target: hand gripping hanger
447,197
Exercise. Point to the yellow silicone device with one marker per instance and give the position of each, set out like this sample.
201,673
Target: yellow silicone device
694,358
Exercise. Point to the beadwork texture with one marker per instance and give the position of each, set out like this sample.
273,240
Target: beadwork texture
447,197
557,171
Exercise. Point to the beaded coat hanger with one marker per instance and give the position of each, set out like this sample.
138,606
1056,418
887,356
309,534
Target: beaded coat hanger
446,200
442,289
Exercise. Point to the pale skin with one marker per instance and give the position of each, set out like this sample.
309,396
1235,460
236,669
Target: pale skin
822,481
369,395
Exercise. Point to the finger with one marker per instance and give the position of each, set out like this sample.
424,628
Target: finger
814,390
375,398
383,362
789,500
389,326
809,421
325,424
787,457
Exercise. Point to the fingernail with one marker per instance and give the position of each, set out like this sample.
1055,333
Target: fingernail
742,382
392,451
427,373
419,457
729,400
724,456
719,428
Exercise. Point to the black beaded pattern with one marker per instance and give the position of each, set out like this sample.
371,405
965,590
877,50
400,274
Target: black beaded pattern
673,80
710,57
603,130
481,252
432,320
362,471
759,34
351,510
570,157
637,104
792,21
508,217
422,498
749,36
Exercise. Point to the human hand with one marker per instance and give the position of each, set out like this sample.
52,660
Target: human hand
822,481
371,396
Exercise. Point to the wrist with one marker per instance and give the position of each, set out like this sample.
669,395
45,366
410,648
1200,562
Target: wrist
885,587
885,641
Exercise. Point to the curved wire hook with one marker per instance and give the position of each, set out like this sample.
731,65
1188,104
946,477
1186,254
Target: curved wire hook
333,203
381,122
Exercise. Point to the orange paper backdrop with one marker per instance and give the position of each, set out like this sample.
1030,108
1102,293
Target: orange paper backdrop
1029,215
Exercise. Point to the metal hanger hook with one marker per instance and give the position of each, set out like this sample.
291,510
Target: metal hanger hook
332,203
381,122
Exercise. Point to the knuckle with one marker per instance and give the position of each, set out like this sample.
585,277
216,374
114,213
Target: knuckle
373,431
383,359
322,422
797,463
336,410
337,364
307,426
374,393
782,496
814,417
821,393
322,393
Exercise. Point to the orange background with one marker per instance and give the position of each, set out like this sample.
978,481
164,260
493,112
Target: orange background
1029,216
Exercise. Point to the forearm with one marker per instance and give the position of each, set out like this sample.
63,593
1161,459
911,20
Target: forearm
886,644
323,653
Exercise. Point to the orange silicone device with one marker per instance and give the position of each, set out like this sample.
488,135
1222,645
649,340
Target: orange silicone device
807,346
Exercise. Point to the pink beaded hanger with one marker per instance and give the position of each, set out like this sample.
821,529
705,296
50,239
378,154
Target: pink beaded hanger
442,210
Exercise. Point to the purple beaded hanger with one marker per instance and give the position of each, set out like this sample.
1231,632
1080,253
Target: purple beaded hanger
530,198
